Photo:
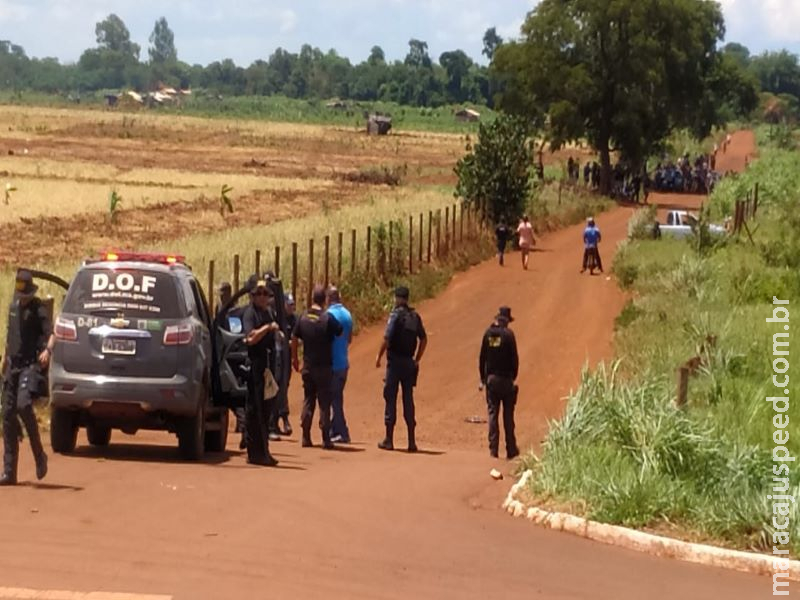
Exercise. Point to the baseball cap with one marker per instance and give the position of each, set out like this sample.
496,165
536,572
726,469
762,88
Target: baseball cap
401,292
290,299
24,285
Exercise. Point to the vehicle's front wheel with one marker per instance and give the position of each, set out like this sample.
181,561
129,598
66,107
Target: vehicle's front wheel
63,430
191,435
98,435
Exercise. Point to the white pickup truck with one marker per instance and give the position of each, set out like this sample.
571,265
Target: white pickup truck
681,223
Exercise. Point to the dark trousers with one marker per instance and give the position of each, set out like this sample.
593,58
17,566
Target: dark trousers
18,405
339,422
283,370
598,264
256,411
501,250
317,390
501,392
400,372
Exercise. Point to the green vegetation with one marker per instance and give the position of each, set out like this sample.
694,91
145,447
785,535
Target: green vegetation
624,453
567,73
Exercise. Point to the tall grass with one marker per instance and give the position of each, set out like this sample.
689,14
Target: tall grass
623,453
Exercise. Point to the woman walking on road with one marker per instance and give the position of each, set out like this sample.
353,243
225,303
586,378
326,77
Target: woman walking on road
526,241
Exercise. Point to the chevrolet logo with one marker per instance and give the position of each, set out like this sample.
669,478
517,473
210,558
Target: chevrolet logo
119,323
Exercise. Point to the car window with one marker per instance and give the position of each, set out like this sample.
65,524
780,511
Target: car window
133,293
671,219
199,301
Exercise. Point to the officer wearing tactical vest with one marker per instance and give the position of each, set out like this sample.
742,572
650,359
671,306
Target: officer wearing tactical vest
499,367
403,331
29,345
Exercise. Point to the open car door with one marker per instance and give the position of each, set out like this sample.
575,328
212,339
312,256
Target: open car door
49,304
231,365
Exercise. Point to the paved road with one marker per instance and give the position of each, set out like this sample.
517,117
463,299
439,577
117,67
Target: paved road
357,522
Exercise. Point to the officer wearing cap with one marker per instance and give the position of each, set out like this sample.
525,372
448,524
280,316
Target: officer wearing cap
259,327
404,343
499,366
29,345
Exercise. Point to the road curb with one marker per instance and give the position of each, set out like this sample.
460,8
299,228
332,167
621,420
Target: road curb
662,547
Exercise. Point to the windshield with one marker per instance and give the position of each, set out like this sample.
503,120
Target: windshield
125,292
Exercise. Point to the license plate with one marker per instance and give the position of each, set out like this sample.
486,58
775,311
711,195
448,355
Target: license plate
119,346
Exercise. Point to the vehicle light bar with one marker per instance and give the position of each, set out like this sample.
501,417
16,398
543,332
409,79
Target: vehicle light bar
152,257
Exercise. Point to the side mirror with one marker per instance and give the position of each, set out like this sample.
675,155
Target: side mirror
235,325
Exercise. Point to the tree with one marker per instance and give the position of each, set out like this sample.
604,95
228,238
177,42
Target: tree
622,74
377,57
457,65
417,56
778,72
494,175
162,44
491,42
112,34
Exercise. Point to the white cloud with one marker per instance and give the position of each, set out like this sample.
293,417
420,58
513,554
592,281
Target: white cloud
13,12
288,20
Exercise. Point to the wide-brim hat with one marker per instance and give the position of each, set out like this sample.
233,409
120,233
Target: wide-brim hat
504,313
24,286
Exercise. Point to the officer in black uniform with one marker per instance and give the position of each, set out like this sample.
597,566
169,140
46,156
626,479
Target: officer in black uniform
29,345
403,331
259,327
499,367
317,330
285,368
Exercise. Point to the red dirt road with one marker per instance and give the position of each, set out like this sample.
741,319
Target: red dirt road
360,523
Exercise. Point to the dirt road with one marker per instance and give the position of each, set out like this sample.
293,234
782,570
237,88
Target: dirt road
357,522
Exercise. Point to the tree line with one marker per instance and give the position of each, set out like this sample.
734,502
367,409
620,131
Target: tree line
116,62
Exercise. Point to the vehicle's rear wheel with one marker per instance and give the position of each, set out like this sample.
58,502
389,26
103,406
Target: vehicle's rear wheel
216,441
63,430
98,435
191,435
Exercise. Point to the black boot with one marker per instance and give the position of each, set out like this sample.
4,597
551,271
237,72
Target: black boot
307,438
11,450
388,442
32,427
412,442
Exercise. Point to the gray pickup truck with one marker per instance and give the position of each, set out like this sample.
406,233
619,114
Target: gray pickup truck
681,224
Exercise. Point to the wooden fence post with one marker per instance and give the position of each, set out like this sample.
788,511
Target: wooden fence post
439,233
236,272
353,251
278,262
683,387
461,224
327,259
755,199
294,271
369,244
430,232
339,259
211,291
421,236
410,245
390,253
453,237
258,262
310,271
446,229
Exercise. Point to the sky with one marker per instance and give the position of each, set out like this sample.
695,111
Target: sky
207,30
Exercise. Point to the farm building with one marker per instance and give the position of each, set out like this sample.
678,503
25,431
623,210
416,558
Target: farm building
379,124
468,114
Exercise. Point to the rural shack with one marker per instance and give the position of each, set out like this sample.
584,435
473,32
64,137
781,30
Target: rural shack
468,115
378,124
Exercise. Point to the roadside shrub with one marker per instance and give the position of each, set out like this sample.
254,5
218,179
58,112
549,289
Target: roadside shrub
630,312
640,225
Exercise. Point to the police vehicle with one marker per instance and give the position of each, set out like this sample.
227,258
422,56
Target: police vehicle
137,348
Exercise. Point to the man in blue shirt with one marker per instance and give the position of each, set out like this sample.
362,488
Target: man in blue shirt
591,237
339,431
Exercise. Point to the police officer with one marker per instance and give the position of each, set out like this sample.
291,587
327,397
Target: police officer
403,331
285,369
499,367
29,345
317,330
259,327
